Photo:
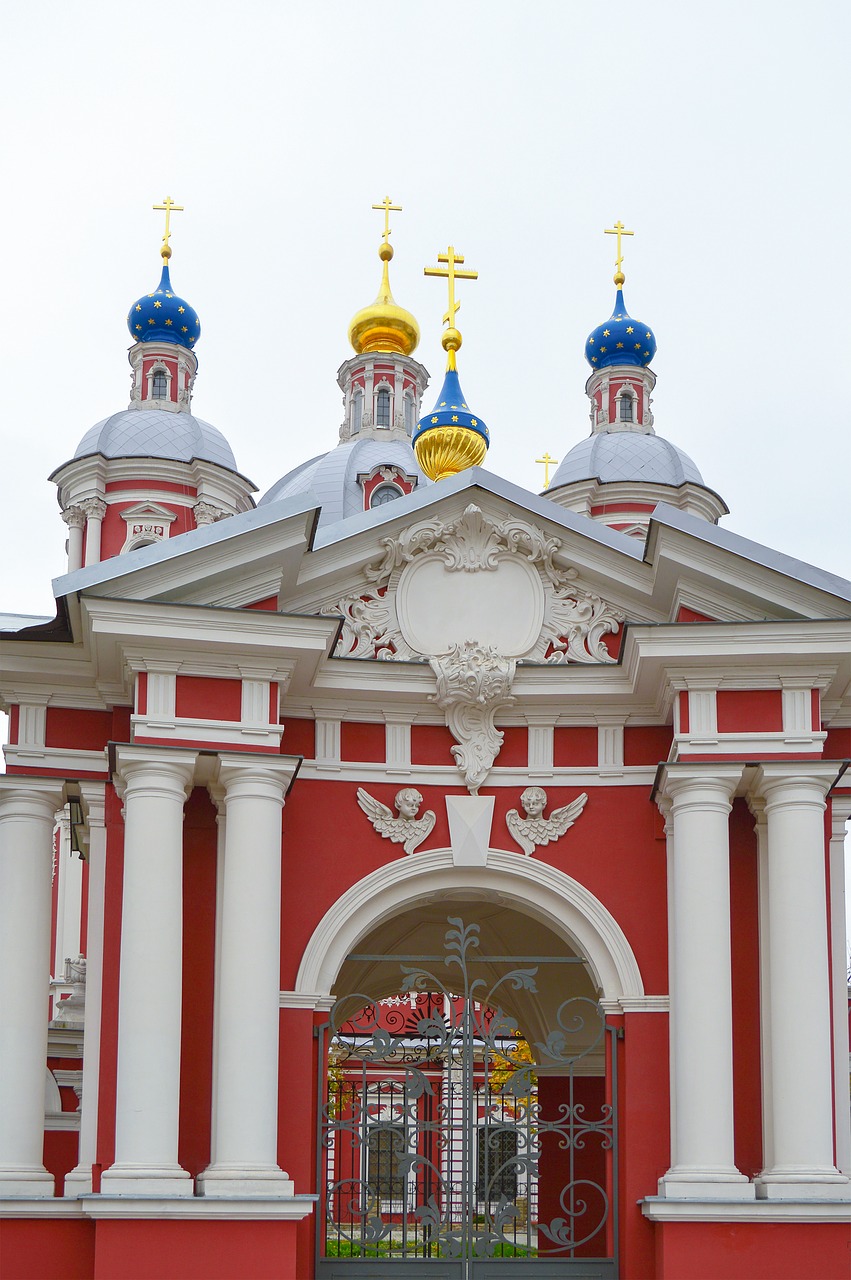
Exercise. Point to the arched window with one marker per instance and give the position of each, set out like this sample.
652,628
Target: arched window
625,412
409,414
159,386
383,494
382,408
357,411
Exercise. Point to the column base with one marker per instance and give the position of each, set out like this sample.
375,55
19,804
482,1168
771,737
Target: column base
146,1180
705,1184
802,1185
33,1183
79,1181
227,1180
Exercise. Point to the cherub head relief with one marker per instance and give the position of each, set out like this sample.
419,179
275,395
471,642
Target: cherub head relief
406,828
534,801
408,802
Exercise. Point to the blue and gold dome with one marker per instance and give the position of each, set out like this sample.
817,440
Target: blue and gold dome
620,340
163,316
451,429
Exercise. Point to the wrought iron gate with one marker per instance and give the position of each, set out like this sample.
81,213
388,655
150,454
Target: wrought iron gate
452,1148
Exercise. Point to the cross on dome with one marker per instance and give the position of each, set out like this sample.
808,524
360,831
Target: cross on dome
618,230
452,338
168,207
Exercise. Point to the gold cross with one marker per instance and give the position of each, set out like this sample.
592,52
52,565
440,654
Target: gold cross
618,230
168,207
387,207
451,275
547,462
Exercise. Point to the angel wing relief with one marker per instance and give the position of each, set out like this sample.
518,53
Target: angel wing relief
403,827
535,829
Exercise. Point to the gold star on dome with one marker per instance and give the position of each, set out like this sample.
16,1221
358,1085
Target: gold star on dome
184,328
138,306
181,310
606,333
150,295
150,319
463,406
647,353
434,419
590,342
168,295
453,406
473,422
455,417
197,321
442,404
138,326
648,334
638,346
157,304
168,322
593,359
603,350
629,328
619,344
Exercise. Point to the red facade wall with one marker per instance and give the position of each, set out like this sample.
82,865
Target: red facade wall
205,698
647,744
77,728
749,710
573,748
299,737
362,742
47,1249
752,1251
161,1249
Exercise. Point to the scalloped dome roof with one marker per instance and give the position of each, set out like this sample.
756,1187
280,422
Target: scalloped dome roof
626,455
157,433
333,476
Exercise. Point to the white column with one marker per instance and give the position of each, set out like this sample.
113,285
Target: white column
802,1150
702,1159
75,518
95,509
79,1180
156,783
840,813
245,1100
27,812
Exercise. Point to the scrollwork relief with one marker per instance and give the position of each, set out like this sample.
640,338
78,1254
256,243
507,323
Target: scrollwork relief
473,684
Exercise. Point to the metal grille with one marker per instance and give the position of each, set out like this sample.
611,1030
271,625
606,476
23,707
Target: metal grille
451,1146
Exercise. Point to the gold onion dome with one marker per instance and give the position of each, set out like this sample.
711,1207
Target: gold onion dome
384,325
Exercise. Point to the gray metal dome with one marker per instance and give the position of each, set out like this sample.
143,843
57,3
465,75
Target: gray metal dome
157,433
626,455
333,477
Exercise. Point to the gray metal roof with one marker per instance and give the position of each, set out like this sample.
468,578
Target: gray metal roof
626,455
332,477
157,433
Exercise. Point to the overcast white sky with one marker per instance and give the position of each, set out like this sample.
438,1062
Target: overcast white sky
719,133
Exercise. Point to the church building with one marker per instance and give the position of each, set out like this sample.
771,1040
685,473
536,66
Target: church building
406,874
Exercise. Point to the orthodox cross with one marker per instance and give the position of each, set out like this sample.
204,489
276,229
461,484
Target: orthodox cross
387,207
547,462
451,258
618,230
168,207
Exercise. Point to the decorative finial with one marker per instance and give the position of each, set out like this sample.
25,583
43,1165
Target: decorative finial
619,230
384,326
451,339
385,251
168,206
546,462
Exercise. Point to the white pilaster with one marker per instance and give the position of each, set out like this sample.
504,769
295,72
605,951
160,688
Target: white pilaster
702,1159
802,1113
75,518
541,740
245,1099
79,1180
156,783
27,811
397,745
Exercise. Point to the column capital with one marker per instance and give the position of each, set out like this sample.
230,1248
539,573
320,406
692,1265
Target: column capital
74,516
794,781
94,508
264,775
25,796
171,768
685,783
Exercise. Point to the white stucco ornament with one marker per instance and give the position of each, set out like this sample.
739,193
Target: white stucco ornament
405,827
440,582
535,829
473,683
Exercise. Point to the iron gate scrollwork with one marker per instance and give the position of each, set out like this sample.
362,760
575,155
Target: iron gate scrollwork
452,1147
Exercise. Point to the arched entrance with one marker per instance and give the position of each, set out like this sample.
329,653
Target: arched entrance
468,1080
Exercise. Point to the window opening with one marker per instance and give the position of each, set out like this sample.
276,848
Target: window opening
159,388
382,411
357,411
625,408
384,493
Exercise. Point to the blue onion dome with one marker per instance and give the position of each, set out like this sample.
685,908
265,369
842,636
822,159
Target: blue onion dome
620,340
162,316
451,410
